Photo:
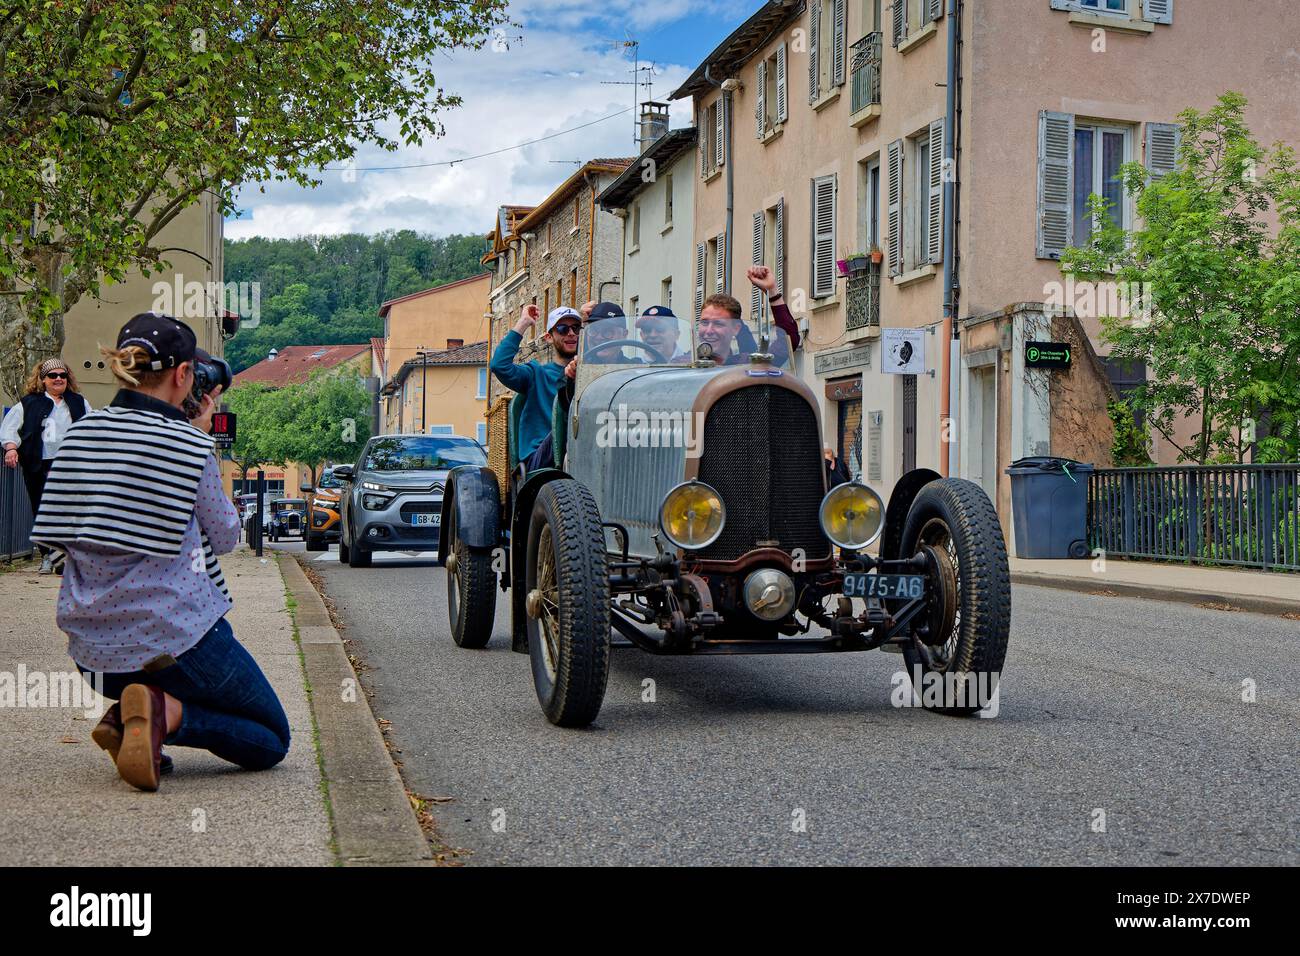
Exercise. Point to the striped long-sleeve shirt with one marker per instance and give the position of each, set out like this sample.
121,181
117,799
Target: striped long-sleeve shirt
135,499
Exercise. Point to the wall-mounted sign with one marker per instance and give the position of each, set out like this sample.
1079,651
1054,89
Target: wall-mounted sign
857,357
223,428
902,351
1047,355
842,389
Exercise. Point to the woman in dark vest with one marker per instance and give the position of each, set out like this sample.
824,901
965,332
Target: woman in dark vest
32,430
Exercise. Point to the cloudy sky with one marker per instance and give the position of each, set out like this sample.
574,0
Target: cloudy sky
547,81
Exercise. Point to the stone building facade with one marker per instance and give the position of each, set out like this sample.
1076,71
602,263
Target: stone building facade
564,251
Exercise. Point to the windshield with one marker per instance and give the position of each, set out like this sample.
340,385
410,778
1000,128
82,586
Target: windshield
653,338
422,453
291,504
327,480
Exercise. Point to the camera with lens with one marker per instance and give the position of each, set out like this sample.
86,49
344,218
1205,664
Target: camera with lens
208,375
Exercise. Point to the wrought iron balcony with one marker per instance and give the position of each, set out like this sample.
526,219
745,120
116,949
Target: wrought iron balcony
863,307
865,67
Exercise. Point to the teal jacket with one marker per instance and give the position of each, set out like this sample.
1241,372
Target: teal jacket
538,382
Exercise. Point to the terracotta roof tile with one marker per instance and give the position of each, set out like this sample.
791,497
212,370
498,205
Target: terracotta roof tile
294,363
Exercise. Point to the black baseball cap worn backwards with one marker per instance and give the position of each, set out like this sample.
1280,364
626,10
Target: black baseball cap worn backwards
168,341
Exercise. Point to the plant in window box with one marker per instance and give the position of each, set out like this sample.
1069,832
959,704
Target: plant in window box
877,256
857,262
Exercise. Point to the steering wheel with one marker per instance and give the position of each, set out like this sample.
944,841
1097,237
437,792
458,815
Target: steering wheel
655,355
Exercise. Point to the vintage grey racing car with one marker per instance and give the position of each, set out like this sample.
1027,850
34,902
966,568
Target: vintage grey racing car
690,514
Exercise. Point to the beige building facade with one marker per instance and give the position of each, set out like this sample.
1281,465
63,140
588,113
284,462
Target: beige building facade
823,126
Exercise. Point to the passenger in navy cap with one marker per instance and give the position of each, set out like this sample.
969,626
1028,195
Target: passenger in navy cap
660,330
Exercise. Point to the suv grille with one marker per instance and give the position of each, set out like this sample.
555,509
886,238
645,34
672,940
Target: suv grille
419,508
762,452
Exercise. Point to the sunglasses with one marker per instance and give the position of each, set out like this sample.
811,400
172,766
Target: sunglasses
565,328
56,374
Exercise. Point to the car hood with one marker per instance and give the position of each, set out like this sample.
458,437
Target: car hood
406,480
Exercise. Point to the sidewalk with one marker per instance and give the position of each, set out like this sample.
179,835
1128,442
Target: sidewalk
1266,592
61,801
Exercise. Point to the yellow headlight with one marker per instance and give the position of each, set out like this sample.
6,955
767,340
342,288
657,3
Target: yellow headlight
692,516
852,515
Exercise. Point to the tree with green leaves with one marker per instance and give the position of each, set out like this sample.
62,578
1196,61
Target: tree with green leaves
259,410
1218,323
115,117
326,419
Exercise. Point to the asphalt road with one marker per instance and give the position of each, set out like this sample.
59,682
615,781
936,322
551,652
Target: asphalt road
1128,707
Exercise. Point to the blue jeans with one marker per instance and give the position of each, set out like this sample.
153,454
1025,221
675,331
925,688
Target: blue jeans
228,706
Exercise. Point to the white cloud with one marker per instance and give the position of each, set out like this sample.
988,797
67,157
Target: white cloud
549,81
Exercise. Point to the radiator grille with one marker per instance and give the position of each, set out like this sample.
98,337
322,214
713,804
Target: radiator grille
762,452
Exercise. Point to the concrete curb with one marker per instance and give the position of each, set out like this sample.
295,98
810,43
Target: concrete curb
374,823
1239,602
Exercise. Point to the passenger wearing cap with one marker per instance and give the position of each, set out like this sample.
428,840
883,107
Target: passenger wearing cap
606,322
538,382
659,329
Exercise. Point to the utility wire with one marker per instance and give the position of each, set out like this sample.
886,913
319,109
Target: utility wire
465,159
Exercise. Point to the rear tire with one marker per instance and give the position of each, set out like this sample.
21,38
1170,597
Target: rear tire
471,590
957,516
344,551
567,587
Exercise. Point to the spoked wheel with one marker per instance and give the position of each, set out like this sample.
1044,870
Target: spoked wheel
471,590
954,525
567,603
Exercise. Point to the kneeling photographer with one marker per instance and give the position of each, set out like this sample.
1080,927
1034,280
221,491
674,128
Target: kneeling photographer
135,499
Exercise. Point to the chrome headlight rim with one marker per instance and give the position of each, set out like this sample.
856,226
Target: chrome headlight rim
722,508
829,500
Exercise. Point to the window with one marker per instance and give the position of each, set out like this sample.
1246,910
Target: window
826,47
575,214
573,288
668,200
1098,153
909,16
1151,11
441,430
632,306
559,293
1105,6
914,200
713,137
715,266
480,433
773,96
823,236
635,218
546,302
482,383
666,293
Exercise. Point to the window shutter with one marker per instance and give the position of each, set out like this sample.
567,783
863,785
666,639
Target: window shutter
760,110
721,265
894,205
778,245
781,98
699,280
1055,183
814,51
704,146
900,21
837,41
1162,141
823,228
756,294
936,9
934,207
719,124
1158,11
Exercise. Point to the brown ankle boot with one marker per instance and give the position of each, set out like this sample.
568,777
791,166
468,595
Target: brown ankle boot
144,728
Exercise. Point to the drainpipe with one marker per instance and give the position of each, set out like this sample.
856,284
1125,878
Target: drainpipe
947,459
730,164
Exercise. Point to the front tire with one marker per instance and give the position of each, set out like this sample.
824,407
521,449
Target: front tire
471,590
567,587
956,517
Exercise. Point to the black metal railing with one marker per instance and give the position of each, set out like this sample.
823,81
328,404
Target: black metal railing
1245,515
15,516
865,71
863,301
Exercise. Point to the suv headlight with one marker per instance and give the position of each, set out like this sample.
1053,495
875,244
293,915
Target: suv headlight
373,486
852,515
376,502
692,516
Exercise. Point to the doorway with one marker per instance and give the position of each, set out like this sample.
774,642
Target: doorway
983,429
909,423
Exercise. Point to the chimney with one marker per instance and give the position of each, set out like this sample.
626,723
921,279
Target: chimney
271,355
654,122
455,343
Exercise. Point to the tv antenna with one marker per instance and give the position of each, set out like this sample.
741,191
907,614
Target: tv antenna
637,81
